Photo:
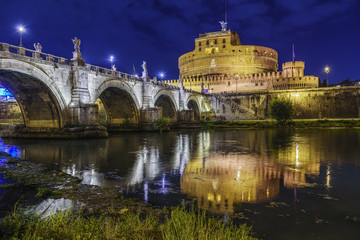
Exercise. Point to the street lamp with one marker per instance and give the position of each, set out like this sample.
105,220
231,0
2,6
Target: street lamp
21,29
111,61
327,70
161,75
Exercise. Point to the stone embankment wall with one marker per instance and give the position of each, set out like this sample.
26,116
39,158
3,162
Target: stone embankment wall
317,103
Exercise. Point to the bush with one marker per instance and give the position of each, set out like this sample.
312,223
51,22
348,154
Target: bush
282,110
162,124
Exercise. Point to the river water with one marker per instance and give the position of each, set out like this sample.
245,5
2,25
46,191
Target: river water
288,184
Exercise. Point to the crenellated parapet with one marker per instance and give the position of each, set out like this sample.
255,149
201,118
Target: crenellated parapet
291,78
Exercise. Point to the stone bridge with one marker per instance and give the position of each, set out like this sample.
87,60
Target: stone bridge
55,92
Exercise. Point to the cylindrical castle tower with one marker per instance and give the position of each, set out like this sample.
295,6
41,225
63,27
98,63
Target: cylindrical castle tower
221,53
293,69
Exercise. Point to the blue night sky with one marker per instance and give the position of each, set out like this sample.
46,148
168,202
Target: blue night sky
325,32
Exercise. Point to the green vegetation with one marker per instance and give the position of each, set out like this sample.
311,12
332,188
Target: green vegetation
282,110
162,124
184,224
274,124
106,215
45,193
181,224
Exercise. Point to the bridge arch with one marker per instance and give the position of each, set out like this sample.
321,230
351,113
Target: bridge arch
166,101
39,99
120,102
192,103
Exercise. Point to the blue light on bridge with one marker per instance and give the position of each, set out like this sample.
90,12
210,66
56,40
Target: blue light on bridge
13,150
5,95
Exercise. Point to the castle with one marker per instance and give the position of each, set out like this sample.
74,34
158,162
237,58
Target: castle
221,64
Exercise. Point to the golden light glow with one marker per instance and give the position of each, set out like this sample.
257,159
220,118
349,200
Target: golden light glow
327,69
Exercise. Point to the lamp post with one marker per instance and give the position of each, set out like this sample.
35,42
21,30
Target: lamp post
161,75
327,70
111,61
21,29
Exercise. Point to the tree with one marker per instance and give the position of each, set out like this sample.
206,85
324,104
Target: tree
282,110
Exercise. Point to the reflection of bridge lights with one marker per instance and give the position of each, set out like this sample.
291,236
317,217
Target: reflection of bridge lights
297,155
328,176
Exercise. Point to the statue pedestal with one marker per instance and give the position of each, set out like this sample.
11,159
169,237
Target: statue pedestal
76,60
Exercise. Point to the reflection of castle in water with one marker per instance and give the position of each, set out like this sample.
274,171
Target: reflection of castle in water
224,178
218,168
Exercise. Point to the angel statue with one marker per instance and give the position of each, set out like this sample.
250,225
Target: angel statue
223,25
37,47
76,43
144,73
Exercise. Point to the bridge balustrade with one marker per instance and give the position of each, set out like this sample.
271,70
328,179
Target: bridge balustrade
4,47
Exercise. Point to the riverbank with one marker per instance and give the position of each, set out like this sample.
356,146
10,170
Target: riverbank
303,123
97,212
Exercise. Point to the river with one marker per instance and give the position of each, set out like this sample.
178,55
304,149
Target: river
288,184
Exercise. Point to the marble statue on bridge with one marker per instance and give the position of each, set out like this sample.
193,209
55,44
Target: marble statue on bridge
76,43
37,47
144,72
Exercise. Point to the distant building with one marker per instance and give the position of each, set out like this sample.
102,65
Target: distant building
220,63
346,83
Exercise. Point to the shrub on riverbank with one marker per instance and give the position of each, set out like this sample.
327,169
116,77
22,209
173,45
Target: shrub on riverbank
182,224
282,110
162,124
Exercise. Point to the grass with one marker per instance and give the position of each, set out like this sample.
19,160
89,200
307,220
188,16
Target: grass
106,215
274,124
181,224
46,193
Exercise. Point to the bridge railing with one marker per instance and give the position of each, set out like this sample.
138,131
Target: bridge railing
12,49
4,47
109,72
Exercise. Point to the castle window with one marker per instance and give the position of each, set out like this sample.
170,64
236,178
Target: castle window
207,42
228,83
224,41
215,41
199,44
224,46
200,49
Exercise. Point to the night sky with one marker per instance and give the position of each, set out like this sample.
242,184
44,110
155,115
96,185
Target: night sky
325,32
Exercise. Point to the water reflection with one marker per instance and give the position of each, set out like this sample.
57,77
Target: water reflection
219,169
